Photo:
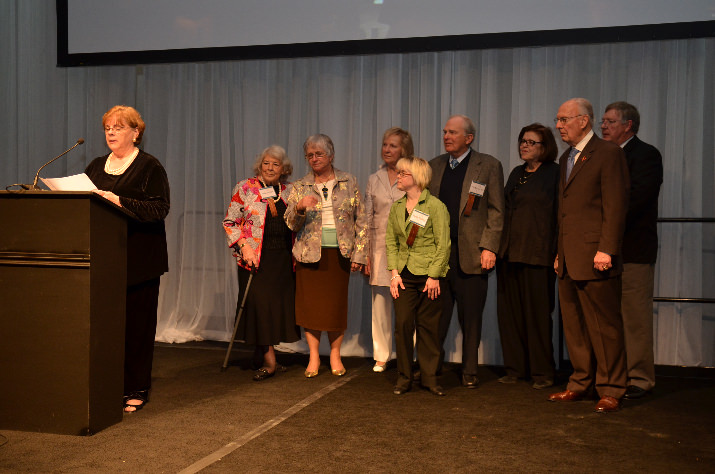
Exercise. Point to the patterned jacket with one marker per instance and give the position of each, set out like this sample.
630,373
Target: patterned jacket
246,216
350,219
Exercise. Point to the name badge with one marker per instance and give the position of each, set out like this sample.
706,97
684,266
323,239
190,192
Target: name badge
419,218
268,192
477,188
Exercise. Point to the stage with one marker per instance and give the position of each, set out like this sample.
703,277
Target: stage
199,417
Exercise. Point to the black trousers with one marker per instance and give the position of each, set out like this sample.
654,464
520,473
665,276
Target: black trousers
414,310
469,291
142,302
525,301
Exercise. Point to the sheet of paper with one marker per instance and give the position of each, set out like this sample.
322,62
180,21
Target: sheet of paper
78,182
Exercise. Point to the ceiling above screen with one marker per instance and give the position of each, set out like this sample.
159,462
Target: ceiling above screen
145,31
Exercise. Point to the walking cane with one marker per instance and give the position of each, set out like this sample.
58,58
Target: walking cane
238,319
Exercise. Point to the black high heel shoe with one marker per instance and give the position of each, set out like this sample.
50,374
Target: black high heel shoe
141,395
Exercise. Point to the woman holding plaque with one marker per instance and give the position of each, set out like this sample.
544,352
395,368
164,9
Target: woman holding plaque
418,247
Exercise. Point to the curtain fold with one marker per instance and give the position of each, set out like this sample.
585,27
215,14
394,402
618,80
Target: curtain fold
207,121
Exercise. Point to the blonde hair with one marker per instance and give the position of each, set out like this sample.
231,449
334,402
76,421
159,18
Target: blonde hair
419,168
408,147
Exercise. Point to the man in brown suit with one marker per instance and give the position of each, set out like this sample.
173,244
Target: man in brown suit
593,200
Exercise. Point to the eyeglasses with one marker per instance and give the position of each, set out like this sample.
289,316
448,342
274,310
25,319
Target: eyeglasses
529,142
116,128
564,120
317,154
608,123
403,173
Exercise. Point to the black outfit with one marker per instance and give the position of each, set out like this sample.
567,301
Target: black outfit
525,274
143,190
469,291
414,311
269,314
645,166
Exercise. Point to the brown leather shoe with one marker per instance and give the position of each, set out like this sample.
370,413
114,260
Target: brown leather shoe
567,396
607,405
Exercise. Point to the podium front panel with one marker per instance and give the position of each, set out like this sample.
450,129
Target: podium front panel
63,293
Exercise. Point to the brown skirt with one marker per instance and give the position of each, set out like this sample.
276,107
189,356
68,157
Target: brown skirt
321,292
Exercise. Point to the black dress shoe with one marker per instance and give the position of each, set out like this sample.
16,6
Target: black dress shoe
634,393
400,390
437,390
469,381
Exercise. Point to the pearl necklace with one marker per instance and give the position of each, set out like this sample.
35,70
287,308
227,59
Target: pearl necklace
117,171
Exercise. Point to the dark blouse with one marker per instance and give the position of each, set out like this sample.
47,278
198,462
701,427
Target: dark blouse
276,234
530,221
143,190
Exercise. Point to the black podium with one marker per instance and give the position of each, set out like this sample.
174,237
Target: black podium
62,304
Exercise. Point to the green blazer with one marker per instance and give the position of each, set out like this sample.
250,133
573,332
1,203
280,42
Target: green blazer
429,254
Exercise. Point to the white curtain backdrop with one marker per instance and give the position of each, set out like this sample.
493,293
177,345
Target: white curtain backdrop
207,121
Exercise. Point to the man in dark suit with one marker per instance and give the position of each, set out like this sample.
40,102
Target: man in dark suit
593,197
471,185
619,125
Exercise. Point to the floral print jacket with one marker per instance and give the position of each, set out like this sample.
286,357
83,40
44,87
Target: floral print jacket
350,219
246,216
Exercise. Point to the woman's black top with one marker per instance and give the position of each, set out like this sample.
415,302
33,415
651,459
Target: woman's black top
531,211
143,190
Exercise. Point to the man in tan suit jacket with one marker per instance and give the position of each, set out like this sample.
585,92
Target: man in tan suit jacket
593,200
471,185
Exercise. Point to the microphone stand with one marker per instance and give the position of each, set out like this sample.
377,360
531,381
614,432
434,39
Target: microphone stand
34,186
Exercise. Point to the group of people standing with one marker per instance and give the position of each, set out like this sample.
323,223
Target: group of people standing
320,223
427,234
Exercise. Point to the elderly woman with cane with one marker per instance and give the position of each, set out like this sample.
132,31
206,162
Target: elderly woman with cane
259,238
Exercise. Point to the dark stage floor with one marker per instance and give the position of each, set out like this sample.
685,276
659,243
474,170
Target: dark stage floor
200,418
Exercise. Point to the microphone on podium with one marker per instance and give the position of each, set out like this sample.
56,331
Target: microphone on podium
34,185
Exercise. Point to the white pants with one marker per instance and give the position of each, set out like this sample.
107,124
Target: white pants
382,317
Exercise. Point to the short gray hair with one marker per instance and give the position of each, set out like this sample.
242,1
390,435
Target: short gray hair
469,128
586,108
628,112
279,153
321,140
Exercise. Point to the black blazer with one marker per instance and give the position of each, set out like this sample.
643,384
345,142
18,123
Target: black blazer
531,213
645,166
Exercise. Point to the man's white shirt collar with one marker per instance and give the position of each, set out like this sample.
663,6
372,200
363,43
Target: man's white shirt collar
582,144
460,158
626,142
